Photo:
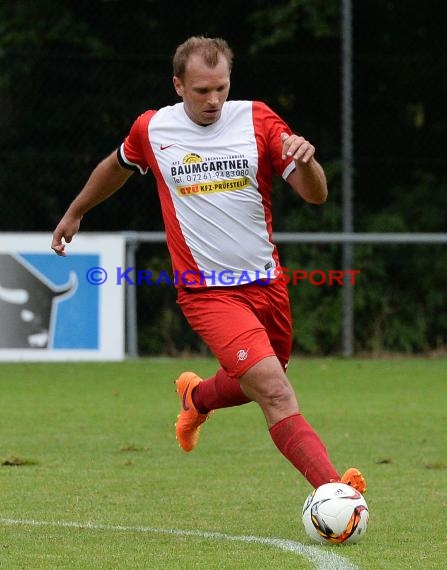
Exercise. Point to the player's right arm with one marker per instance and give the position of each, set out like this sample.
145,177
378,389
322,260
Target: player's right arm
104,181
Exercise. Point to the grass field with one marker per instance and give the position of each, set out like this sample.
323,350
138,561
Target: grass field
91,475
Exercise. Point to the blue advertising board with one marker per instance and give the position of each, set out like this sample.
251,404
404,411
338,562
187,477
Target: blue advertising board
60,308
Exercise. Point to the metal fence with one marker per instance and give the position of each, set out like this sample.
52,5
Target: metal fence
134,239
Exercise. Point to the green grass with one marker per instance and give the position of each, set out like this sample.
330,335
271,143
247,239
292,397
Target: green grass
94,443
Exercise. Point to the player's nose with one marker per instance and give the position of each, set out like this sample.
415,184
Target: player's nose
213,99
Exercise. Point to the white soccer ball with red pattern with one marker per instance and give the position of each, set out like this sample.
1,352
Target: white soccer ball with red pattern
335,513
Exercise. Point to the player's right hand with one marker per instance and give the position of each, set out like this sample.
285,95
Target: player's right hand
63,234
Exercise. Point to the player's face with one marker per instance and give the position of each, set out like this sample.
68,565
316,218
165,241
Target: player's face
204,89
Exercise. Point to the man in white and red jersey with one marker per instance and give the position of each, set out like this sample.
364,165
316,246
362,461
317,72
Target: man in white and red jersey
213,161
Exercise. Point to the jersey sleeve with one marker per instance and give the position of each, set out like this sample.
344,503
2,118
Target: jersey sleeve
272,127
131,153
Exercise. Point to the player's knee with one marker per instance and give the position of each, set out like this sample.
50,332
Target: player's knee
279,394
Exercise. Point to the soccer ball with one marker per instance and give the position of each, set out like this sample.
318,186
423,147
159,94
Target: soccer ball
335,513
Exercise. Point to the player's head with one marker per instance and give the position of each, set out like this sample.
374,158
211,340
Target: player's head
202,68
210,49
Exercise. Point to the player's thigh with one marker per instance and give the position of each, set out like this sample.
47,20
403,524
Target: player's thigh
229,326
278,321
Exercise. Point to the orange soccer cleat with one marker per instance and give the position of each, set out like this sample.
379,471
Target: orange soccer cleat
355,479
187,428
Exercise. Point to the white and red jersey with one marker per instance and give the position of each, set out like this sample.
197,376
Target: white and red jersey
214,184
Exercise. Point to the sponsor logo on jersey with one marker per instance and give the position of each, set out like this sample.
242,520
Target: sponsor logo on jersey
194,164
192,158
212,187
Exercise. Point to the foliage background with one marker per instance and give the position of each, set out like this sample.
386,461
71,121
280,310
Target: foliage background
74,75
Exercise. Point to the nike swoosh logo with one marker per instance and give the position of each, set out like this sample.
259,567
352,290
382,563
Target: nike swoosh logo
164,147
184,404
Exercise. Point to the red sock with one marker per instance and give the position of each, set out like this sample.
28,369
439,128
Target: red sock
299,443
219,391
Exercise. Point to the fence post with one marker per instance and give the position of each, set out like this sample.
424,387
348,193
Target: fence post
347,173
132,243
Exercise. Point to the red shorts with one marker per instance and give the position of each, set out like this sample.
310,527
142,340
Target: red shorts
241,325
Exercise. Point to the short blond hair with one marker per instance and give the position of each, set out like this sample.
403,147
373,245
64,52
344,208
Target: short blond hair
209,48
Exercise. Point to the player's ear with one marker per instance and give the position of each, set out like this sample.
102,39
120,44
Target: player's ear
178,86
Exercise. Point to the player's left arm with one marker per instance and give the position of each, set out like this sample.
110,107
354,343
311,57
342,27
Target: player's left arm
308,178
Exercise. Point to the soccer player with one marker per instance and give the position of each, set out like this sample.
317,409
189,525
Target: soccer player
213,161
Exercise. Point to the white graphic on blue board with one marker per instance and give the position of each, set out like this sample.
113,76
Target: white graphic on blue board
46,302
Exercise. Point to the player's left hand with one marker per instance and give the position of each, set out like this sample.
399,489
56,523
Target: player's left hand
297,147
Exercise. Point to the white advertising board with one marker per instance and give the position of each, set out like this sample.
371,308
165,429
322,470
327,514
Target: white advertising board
61,308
